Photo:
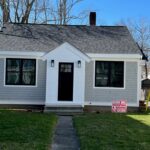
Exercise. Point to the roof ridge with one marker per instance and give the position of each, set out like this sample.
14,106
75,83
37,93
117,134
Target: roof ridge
40,24
14,23
112,26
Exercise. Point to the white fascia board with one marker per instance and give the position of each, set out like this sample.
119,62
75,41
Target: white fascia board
115,56
21,54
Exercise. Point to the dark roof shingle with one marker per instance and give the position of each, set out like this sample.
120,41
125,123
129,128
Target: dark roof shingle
88,39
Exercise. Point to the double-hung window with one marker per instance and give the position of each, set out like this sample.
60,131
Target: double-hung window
20,71
109,74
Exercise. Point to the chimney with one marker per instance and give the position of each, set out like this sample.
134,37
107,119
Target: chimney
92,18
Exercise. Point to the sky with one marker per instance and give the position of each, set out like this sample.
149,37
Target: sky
110,12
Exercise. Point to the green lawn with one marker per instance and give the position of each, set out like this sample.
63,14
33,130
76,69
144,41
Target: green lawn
26,130
109,131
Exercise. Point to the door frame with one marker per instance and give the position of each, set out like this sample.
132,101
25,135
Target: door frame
59,64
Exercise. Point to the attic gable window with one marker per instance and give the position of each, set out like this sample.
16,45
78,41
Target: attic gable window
109,74
20,71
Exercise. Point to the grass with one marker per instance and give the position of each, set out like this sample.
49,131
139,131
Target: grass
26,130
109,131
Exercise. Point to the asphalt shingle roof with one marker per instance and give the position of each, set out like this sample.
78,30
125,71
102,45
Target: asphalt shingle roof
88,39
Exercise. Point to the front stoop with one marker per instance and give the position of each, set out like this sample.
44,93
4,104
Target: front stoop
65,109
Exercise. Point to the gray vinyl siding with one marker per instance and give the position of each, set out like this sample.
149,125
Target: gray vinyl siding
107,95
23,93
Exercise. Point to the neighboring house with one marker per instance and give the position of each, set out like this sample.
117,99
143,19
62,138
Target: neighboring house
72,65
145,79
145,68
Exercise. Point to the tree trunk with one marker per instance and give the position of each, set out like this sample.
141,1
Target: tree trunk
5,10
25,18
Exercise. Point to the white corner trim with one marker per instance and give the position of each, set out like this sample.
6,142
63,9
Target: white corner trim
115,56
109,88
24,86
139,73
21,54
142,63
90,103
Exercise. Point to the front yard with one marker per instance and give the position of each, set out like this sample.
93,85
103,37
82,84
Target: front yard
109,131
26,130
104,131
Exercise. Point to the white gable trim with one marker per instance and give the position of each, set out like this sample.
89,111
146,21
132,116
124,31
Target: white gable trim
71,48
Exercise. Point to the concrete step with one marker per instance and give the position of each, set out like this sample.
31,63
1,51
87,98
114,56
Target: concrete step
65,110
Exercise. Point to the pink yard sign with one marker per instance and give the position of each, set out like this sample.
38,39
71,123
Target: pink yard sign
119,106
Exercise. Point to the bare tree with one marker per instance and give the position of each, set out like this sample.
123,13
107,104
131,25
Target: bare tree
28,4
64,11
37,11
4,4
16,10
140,30
59,12
46,11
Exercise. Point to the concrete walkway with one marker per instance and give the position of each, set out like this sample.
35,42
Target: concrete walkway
65,136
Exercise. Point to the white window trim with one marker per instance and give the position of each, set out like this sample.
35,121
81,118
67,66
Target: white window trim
109,88
31,86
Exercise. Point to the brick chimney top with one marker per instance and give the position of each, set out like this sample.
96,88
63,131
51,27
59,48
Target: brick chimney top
92,18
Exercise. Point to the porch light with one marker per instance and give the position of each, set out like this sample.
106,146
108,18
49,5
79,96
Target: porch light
79,63
52,63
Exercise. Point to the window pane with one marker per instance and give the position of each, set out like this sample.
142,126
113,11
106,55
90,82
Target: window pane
13,65
102,71
12,78
28,74
29,65
66,68
117,74
28,78
13,71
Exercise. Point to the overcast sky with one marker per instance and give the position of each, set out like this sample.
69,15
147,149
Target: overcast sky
110,12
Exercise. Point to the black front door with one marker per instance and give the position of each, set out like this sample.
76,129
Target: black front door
65,83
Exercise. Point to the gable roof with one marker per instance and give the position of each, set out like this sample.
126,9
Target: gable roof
88,39
65,47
